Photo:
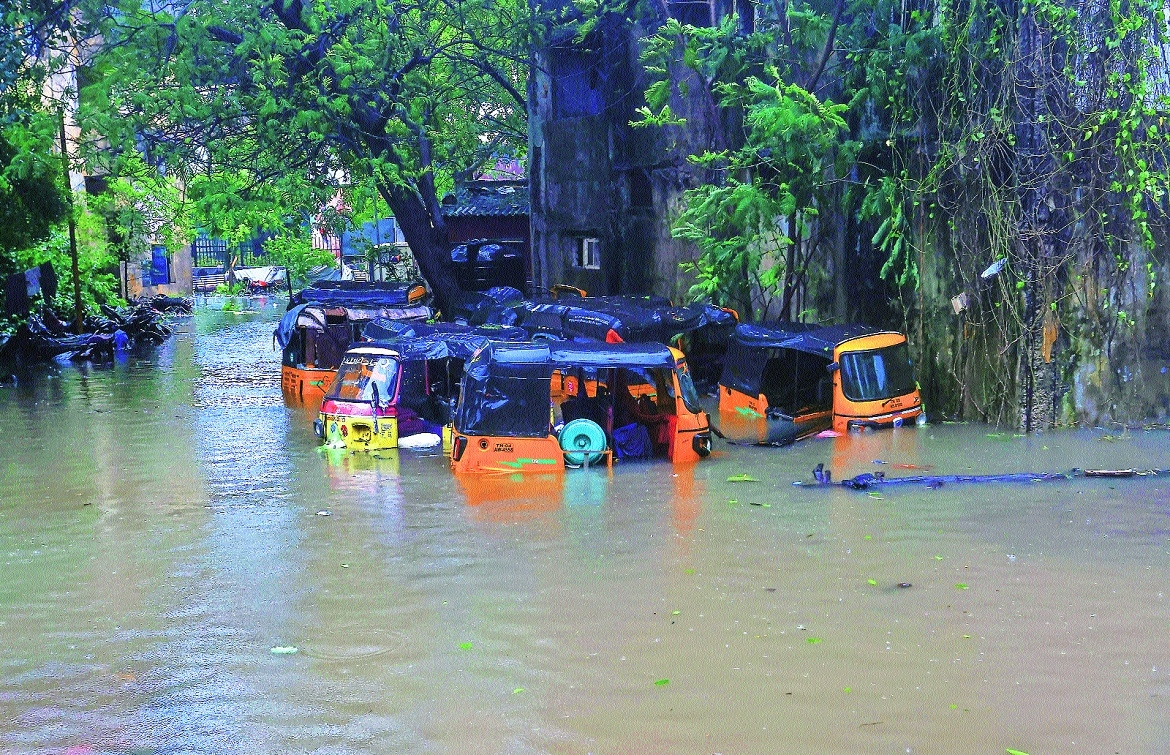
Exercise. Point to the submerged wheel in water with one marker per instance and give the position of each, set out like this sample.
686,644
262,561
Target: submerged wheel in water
583,442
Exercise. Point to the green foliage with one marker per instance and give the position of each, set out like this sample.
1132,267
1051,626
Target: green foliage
754,221
239,288
244,100
96,262
31,196
142,207
771,187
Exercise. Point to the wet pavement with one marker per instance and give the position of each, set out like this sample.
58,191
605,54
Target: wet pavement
167,522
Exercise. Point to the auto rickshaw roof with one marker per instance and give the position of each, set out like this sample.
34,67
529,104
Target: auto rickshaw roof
437,340
383,328
312,314
599,354
634,318
506,352
564,354
810,339
359,295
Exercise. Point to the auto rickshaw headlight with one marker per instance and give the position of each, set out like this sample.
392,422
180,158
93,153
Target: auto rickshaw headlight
701,443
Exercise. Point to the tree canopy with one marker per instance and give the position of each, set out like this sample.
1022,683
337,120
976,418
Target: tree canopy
411,94
952,133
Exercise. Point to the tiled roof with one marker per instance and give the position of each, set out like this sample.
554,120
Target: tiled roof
487,199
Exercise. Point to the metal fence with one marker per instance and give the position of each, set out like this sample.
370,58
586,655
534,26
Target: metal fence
211,252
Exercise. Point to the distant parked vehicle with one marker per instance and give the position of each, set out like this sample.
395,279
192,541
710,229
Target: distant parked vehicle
486,263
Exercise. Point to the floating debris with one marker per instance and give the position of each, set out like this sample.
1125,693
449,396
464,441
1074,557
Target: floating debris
868,480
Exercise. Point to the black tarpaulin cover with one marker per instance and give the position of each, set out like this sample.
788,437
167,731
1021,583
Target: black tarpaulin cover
753,344
288,325
811,339
637,319
440,344
381,328
564,354
505,392
492,306
634,318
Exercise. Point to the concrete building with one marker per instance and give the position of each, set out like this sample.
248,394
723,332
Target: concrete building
604,192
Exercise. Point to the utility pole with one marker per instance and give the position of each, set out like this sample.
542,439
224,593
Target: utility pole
77,319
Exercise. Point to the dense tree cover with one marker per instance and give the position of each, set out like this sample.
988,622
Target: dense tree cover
940,134
956,131
289,95
30,177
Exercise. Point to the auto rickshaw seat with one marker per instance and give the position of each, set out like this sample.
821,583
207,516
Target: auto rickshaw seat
583,406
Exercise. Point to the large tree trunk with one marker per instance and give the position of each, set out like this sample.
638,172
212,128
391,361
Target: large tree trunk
1043,210
427,242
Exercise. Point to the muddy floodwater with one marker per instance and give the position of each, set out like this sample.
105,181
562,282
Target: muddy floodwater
167,523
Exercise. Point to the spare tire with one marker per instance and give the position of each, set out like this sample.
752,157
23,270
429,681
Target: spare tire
583,442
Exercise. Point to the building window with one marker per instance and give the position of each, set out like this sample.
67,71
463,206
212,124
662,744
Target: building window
587,255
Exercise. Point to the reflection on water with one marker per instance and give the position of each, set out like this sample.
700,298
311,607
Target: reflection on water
166,521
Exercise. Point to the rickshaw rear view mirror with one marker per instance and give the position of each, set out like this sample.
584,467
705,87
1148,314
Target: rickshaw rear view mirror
832,366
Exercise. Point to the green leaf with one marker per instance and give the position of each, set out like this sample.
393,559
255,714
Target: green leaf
742,478
961,586
661,682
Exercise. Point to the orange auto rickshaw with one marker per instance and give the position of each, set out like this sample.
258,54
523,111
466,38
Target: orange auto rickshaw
401,387
786,381
628,401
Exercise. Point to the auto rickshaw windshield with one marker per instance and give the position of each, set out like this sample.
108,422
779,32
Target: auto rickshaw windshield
878,374
364,378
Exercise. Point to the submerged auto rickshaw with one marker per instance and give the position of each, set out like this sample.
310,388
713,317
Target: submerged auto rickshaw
360,408
787,381
399,387
616,400
323,320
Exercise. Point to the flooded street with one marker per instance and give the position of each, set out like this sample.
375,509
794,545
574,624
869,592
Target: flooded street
167,522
